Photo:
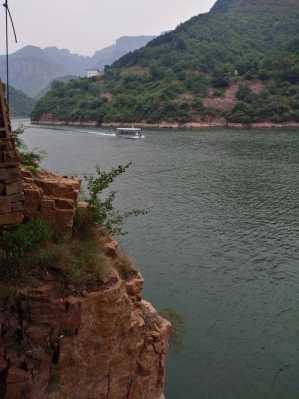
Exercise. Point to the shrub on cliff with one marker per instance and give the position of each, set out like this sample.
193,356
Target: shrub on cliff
17,246
80,263
100,209
20,239
30,251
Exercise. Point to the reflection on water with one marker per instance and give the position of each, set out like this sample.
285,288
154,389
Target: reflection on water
220,246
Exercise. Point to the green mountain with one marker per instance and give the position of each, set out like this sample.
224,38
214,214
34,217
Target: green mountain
122,46
238,63
64,79
32,69
21,105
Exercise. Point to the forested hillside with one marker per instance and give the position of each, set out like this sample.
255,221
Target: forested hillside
237,63
32,69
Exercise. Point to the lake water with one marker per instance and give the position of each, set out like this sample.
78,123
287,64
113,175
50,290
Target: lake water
219,246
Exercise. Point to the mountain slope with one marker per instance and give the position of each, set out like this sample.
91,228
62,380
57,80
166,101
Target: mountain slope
64,79
21,105
32,69
238,63
122,46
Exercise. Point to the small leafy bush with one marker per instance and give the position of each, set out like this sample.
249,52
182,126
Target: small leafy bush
30,250
22,238
81,263
100,210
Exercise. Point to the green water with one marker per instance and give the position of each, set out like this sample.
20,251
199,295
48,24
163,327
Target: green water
220,246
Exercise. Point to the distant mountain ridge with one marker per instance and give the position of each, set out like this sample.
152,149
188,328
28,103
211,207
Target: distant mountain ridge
238,63
32,69
123,45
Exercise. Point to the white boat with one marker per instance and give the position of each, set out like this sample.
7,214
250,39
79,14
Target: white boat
129,132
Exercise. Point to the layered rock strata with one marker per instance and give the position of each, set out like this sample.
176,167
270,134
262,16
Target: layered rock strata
51,197
11,190
105,344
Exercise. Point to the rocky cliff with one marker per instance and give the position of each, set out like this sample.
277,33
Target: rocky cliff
73,323
65,340
11,190
108,343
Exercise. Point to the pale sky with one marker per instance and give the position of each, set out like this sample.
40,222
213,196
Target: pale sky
84,26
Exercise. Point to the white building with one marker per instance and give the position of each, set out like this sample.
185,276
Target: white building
92,73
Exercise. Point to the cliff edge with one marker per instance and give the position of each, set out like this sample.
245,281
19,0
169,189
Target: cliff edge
105,343
73,323
67,329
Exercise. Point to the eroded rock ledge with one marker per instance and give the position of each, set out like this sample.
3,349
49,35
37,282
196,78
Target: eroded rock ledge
51,197
104,344
101,342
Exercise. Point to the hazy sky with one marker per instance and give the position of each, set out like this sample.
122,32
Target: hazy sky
84,26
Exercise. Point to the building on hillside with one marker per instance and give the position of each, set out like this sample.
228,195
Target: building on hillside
93,73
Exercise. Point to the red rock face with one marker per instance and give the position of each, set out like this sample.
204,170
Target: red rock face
11,190
51,197
108,344
225,103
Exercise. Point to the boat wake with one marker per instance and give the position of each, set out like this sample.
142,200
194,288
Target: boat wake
72,131
109,134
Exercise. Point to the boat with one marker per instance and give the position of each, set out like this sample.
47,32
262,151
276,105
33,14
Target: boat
129,132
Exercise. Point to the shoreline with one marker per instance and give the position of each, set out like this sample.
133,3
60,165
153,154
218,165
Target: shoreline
164,125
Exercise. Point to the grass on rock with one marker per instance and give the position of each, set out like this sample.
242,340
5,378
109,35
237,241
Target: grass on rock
26,257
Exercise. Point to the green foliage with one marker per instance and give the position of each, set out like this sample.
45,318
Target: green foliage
251,41
221,77
100,210
31,249
30,159
245,94
81,262
20,239
276,108
19,249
